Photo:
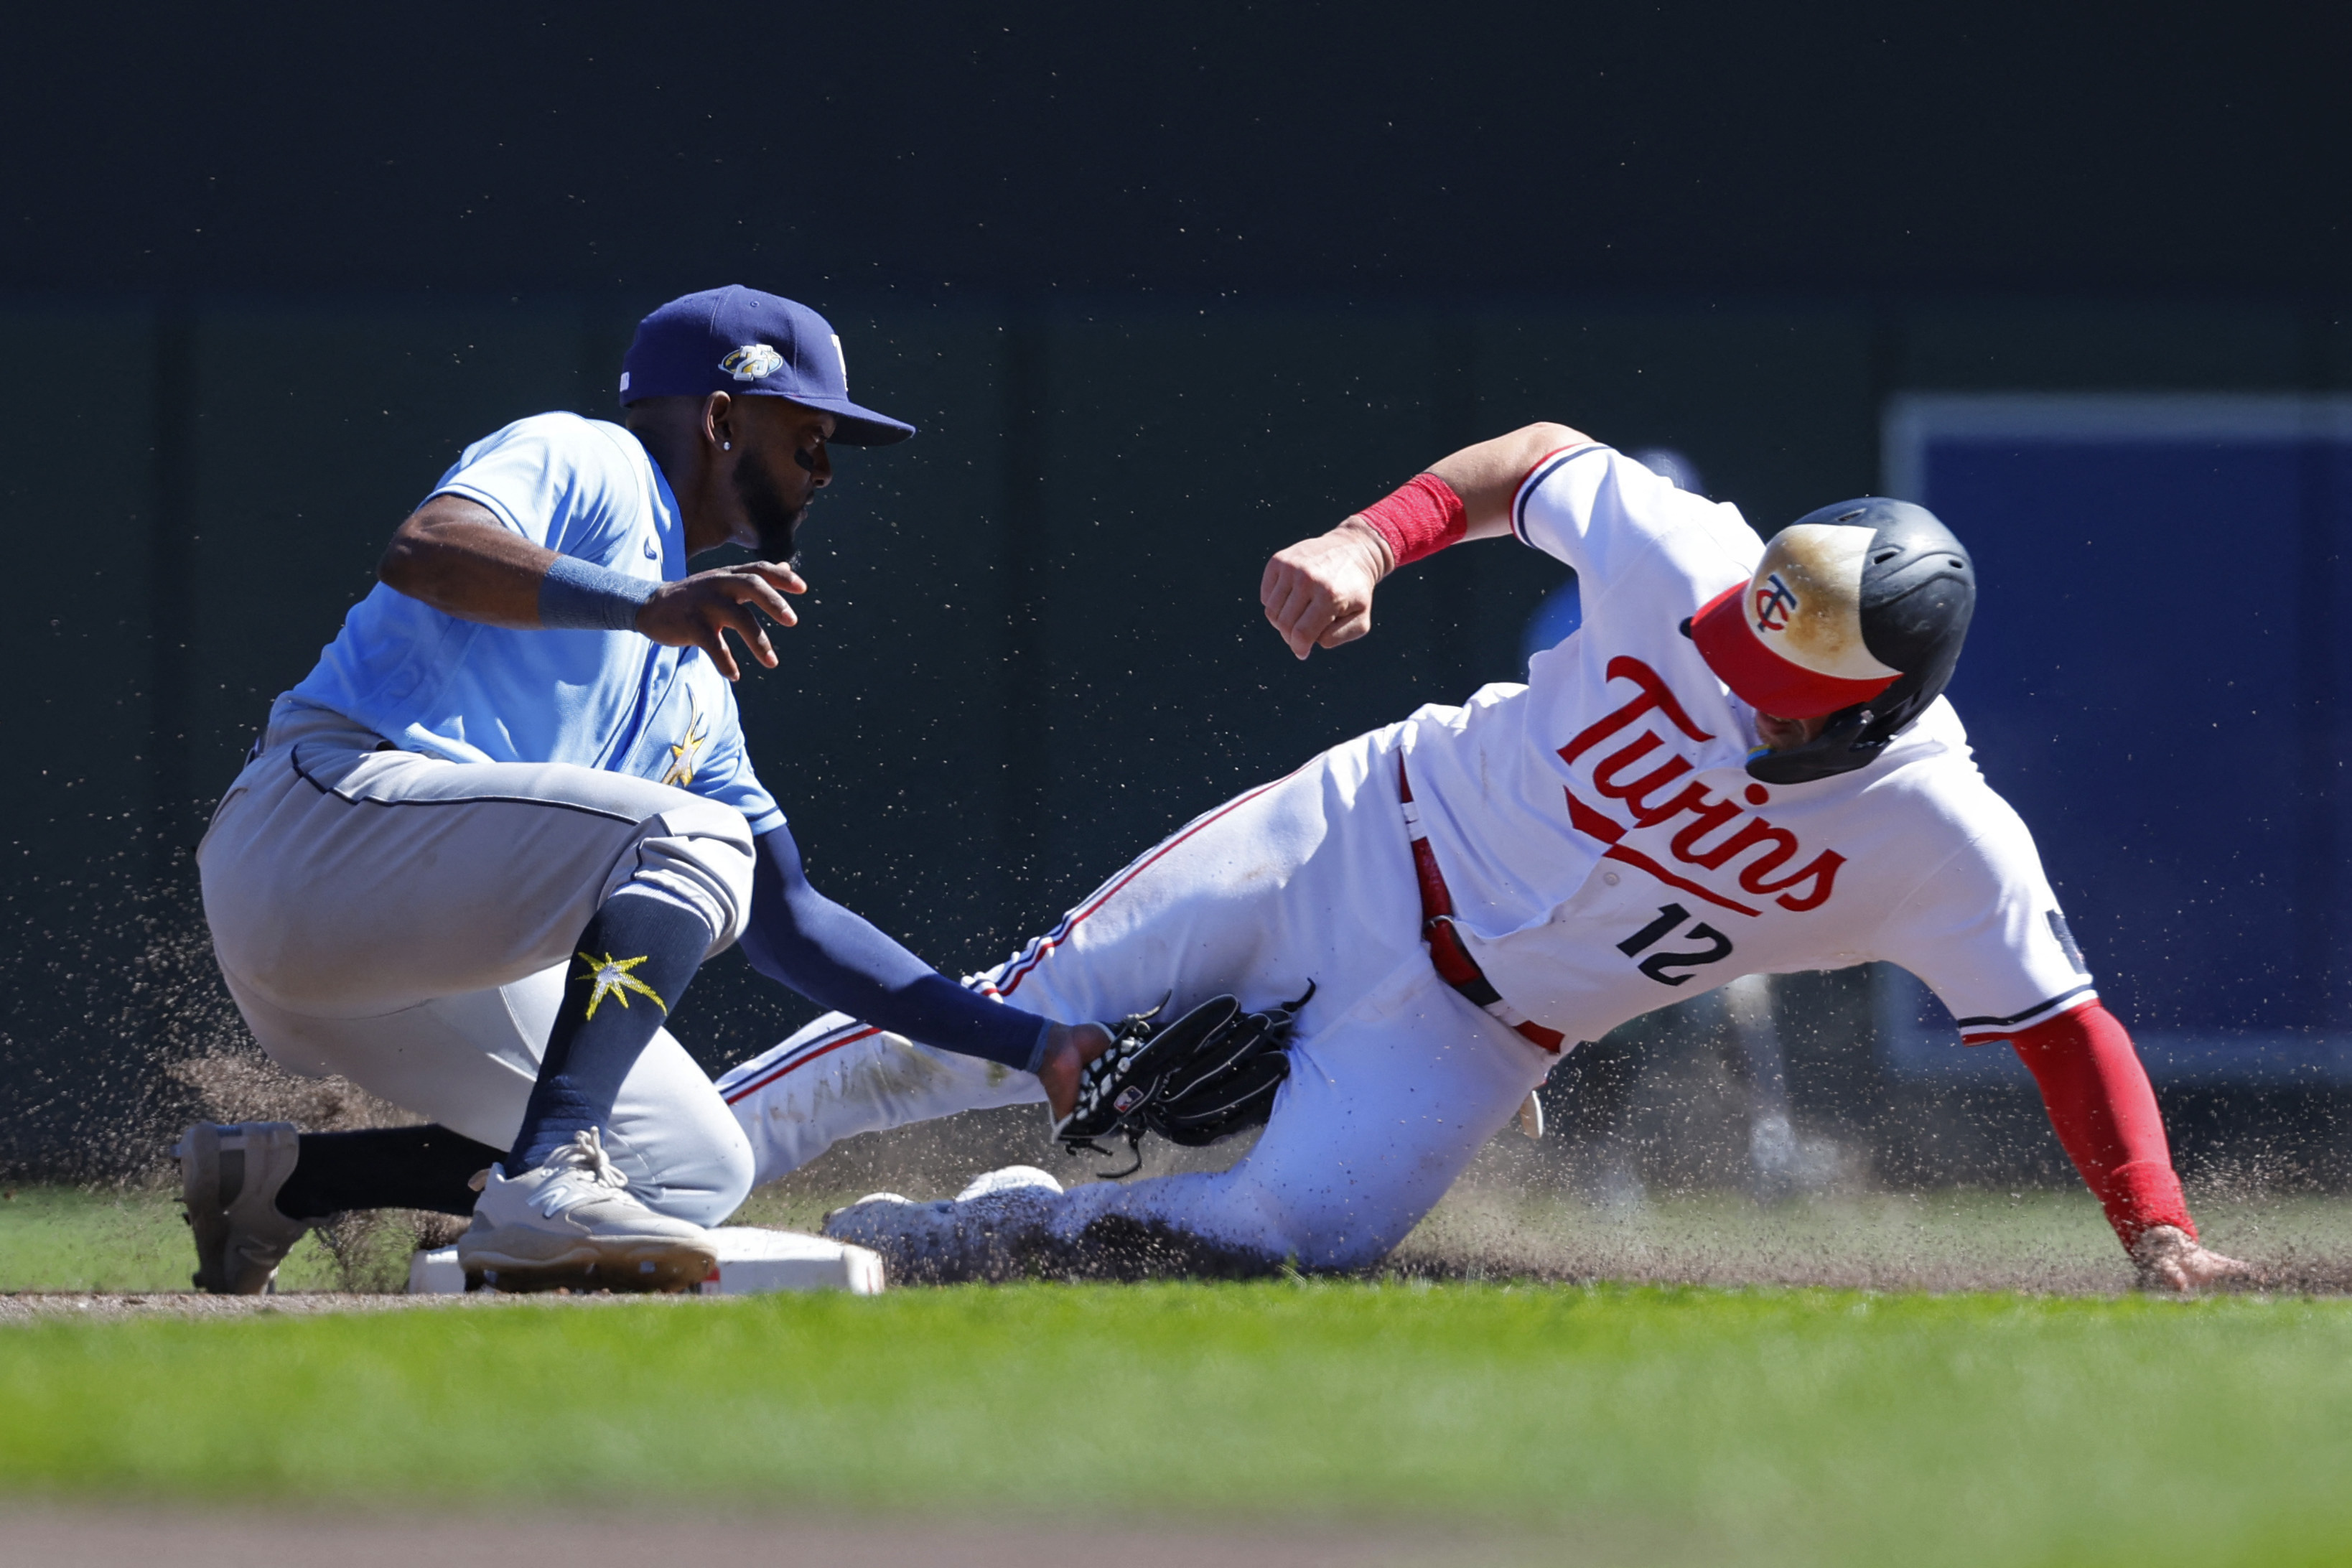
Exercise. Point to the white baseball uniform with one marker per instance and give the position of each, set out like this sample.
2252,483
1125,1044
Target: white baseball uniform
1605,853
394,880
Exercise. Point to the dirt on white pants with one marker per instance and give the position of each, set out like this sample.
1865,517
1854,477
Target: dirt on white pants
1396,1079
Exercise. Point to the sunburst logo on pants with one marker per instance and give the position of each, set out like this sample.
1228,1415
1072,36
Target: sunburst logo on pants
612,979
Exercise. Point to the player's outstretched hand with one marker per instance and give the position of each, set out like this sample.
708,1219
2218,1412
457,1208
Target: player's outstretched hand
1068,1048
1318,592
2169,1260
700,611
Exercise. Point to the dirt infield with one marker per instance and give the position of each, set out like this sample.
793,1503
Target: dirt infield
137,1536
2042,1244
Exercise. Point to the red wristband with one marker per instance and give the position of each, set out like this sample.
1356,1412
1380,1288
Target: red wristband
1421,518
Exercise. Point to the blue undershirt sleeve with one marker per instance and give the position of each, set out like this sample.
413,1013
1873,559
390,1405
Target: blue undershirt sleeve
802,939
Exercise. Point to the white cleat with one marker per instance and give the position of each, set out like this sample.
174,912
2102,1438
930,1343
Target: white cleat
889,1223
1024,1181
571,1223
229,1178
868,1198
985,1233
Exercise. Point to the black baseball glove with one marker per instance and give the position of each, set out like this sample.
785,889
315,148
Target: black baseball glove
1194,1080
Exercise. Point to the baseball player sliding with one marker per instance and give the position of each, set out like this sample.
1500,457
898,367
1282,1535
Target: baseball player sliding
481,849
1741,762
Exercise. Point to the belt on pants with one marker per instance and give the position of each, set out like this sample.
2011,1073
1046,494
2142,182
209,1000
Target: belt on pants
1451,960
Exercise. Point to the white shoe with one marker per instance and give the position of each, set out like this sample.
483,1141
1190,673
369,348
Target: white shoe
572,1223
886,1222
1013,1179
229,1177
987,1232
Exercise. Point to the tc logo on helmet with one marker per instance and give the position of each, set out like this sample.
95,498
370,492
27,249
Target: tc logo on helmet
1774,602
752,361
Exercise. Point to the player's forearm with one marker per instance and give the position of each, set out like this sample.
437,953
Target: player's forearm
2104,1110
1488,475
802,939
456,557
1463,496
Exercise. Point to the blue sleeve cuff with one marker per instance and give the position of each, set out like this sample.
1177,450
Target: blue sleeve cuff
580,595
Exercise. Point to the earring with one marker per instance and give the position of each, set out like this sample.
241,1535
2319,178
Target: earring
726,445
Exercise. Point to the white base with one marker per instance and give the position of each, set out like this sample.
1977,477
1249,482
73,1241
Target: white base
752,1260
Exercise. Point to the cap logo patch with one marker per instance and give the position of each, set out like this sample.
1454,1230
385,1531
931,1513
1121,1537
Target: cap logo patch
1807,595
1789,640
1775,602
752,361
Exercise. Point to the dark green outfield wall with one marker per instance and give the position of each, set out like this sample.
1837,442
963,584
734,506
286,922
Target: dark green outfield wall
1034,644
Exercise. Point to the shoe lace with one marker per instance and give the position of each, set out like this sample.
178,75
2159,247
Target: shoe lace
584,1167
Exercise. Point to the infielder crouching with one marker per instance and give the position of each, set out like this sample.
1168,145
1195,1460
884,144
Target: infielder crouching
1741,762
482,849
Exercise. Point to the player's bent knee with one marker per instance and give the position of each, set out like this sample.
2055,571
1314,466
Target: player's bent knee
1317,1233
698,854
706,1181
1234,1209
736,1169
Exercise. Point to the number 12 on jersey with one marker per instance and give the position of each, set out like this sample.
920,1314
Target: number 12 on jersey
1658,965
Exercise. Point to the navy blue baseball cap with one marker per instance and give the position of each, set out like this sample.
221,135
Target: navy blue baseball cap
739,341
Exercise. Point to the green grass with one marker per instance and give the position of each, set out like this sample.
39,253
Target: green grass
67,1239
62,1238
75,1238
1762,1425
1770,1425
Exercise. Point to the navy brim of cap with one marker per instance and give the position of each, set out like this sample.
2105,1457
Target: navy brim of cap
853,426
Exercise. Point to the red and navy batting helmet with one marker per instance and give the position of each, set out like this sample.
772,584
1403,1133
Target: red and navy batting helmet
1856,613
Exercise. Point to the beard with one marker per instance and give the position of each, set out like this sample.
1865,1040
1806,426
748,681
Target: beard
776,520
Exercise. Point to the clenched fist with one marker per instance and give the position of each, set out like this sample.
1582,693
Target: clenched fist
1318,592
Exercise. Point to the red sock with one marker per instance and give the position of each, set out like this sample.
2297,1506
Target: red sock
2105,1113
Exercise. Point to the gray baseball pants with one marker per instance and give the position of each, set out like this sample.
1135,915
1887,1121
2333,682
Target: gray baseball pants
405,921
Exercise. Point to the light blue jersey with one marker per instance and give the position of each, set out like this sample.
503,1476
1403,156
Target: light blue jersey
449,688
